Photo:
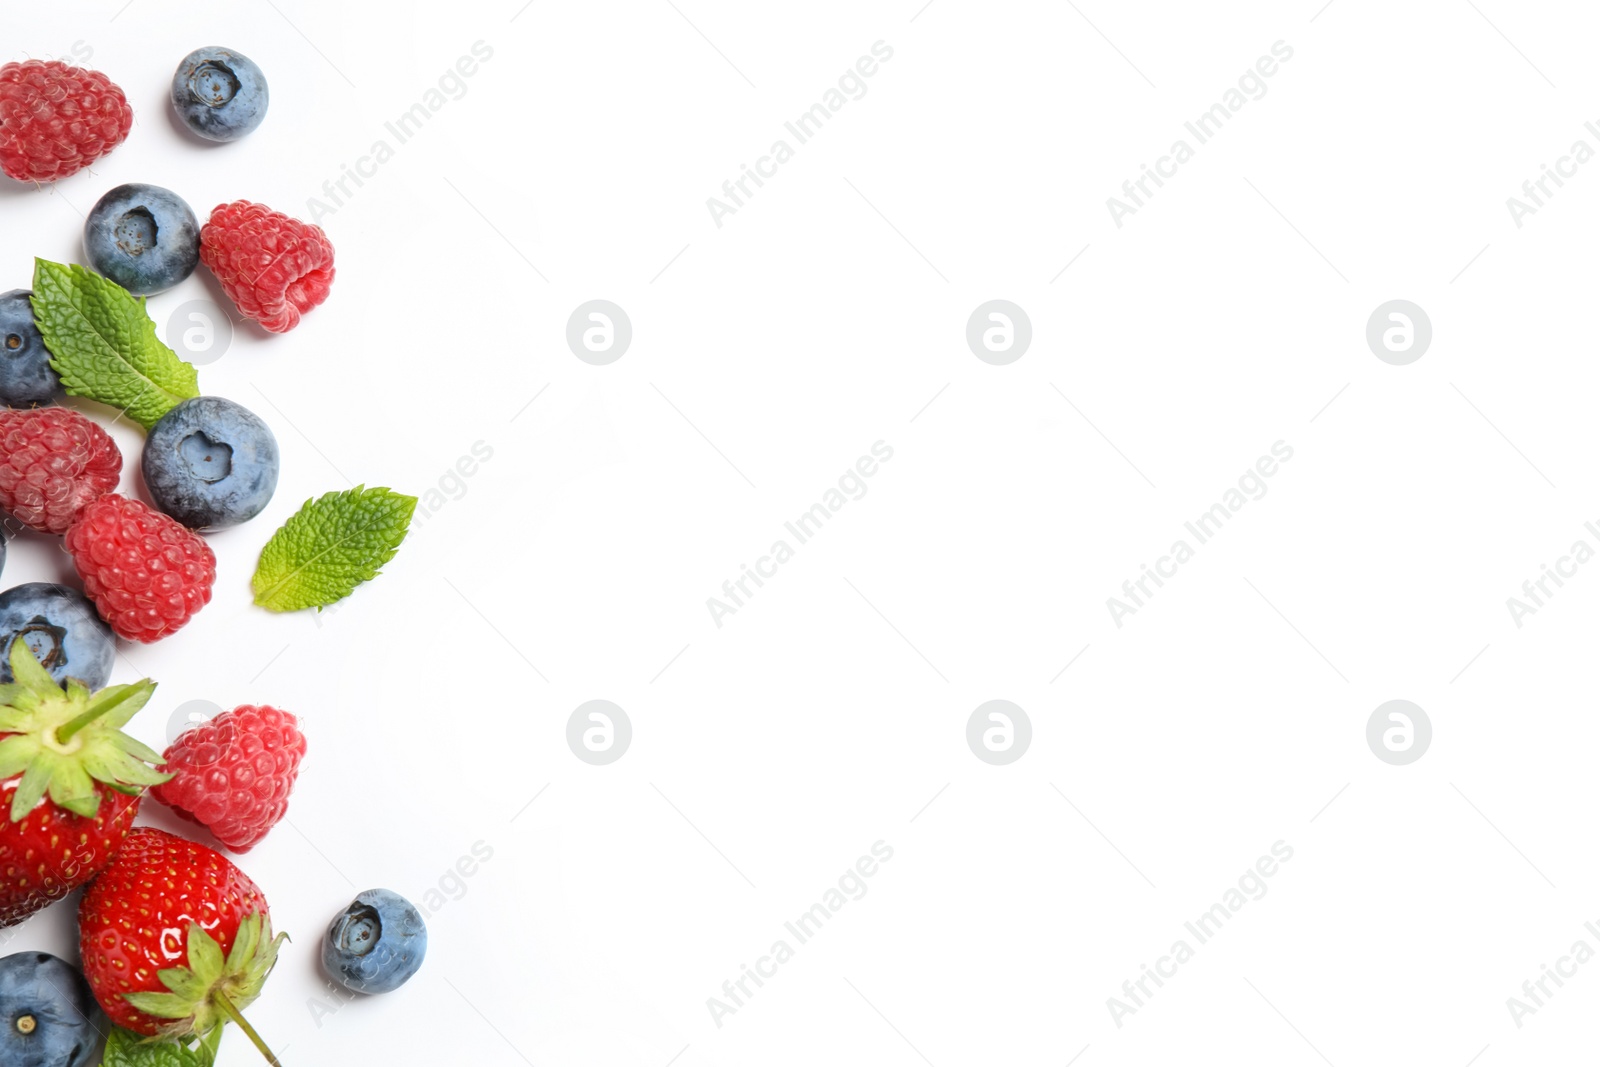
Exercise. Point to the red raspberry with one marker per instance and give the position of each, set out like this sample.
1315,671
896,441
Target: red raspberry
273,267
233,775
146,572
57,119
53,461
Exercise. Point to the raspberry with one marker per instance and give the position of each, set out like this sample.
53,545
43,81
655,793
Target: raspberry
146,573
57,119
233,775
274,268
53,462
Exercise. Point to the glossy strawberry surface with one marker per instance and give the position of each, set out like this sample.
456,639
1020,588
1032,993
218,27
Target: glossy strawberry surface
134,920
51,851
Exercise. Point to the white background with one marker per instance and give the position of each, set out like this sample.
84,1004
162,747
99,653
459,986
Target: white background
830,712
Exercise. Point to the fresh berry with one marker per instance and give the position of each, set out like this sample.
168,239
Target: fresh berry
61,629
375,944
233,775
175,939
210,462
274,268
47,1014
143,237
271,266
53,462
72,778
146,573
219,94
26,377
57,119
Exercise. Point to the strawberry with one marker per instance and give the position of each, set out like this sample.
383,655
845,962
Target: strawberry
176,940
74,780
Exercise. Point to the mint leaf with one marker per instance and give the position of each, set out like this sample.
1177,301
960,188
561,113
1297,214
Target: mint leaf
105,346
124,1049
330,546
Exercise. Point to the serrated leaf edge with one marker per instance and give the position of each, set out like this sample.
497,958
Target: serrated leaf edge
65,276
264,597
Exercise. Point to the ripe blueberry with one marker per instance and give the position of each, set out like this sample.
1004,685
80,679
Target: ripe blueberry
376,943
47,1014
26,377
62,628
210,462
219,94
143,237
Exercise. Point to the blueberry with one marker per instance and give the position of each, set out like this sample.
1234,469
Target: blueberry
63,630
219,94
26,377
47,1014
143,237
376,943
210,463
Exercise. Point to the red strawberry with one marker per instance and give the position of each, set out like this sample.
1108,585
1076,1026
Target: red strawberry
176,940
74,780
233,774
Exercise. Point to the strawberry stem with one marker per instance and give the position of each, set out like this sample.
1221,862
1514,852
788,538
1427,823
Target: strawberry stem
209,1045
65,732
249,1031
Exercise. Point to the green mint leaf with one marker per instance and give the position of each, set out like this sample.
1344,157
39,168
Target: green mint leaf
124,1049
105,346
330,546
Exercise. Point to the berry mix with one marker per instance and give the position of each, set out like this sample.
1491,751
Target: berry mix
175,939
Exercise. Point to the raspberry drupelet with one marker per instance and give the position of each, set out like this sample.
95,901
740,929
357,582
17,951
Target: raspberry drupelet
56,119
146,573
233,775
54,462
273,267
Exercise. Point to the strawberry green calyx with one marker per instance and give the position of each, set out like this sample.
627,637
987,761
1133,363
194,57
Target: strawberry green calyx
65,741
213,989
